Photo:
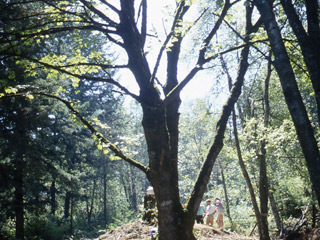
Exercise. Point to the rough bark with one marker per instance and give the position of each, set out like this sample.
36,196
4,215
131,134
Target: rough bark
160,125
263,178
292,95
263,190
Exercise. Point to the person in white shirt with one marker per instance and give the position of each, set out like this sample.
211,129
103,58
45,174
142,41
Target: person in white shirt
210,211
220,211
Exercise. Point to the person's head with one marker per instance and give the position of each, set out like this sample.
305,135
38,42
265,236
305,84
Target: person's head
217,199
208,201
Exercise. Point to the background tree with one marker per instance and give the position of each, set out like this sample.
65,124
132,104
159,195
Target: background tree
54,149
292,94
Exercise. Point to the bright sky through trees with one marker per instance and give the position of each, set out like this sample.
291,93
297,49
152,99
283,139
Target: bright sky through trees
159,24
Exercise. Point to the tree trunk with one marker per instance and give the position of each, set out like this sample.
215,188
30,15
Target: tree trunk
275,212
92,202
53,197
105,193
19,164
314,215
71,213
161,130
173,223
225,194
18,201
234,123
263,178
246,175
292,94
67,205
161,120
263,190
133,189
309,43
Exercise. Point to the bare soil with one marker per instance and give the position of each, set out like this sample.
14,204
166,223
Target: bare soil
141,230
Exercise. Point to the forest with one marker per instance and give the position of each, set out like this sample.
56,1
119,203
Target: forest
101,99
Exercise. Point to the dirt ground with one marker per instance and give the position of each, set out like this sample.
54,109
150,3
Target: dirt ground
140,230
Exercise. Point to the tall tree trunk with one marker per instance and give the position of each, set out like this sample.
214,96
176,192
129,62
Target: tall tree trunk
71,213
18,200
246,175
225,194
292,94
239,153
161,120
263,190
172,223
105,193
204,175
19,164
275,212
263,178
133,189
314,215
67,205
308,41
53,197
92,201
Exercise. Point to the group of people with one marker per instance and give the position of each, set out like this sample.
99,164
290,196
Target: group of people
209,211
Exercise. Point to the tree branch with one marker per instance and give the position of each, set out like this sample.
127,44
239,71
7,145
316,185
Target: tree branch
93,130
169,36
201,57
84,77
197,68
99,13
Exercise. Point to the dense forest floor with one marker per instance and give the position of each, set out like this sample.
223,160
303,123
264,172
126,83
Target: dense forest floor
140,230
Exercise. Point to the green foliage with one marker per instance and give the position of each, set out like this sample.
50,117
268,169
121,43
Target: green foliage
61,159
7,230
45,228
